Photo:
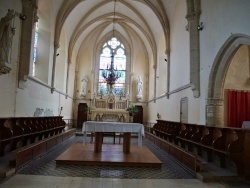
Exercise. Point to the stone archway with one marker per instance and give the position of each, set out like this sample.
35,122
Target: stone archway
215,100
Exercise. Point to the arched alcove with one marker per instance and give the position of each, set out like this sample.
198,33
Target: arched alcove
215,101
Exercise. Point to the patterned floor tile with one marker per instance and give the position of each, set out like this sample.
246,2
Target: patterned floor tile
46,165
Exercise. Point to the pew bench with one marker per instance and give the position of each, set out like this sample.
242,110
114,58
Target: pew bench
17,132
166,130
5,136
27,153
192,161
226,143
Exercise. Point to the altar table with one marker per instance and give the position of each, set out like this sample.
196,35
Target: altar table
116,127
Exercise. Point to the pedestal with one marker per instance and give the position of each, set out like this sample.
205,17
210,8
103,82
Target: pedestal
126,142
98,142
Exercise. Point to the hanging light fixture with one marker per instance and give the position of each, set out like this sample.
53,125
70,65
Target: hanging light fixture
110,74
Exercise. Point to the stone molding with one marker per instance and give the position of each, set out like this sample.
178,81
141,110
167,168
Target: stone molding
5,68
215,102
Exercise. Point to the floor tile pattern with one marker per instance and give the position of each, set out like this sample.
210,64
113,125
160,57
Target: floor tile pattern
46,165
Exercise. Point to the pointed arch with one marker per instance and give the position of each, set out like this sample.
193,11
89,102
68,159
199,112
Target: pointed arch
215,100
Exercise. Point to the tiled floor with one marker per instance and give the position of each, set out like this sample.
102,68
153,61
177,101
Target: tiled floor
34,181
43,172
46,165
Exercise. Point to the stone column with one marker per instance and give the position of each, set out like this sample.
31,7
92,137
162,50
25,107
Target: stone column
215,112
25,65
56,46
167,52
193,20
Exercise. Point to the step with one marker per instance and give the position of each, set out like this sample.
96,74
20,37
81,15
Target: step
201,165
7,171
214,173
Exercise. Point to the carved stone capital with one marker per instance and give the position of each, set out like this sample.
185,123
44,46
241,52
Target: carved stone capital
28,4
193,15
195,89
167,52
215,102
56,45
5,68
215,112
52,89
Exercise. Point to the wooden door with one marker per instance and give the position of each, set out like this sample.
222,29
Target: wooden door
184,110
82,114
138,117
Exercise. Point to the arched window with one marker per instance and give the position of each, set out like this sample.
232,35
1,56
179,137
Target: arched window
35,49
113,46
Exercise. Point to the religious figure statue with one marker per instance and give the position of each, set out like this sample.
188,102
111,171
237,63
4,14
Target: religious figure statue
84,82
139,88
7,32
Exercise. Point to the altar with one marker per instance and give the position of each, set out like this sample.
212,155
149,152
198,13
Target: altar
116,127
109,108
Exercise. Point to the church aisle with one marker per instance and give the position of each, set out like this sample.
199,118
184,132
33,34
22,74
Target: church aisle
38,181
43,172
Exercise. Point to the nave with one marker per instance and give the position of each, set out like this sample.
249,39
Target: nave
43,172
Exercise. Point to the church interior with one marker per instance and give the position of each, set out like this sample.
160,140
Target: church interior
177,71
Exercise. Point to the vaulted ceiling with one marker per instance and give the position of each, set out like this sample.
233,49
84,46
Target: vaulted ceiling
147,19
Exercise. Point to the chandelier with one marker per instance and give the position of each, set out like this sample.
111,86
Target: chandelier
111,74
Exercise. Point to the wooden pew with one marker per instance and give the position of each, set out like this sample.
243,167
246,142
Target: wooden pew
5,136
226,143
30,152
229,144
166,129
18,132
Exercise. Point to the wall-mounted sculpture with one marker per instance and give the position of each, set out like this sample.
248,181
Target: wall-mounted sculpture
139,85
38,112
7,31
84,82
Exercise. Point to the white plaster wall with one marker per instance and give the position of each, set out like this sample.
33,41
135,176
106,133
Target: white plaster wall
161,75
238,77
151,77
71,76
84,68
221,19
8,81
140,68
61,63
35,96
18,102
169,109
44,40
179,46
38,96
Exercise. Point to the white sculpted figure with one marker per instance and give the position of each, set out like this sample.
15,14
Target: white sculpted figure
139,88
84,86
6,34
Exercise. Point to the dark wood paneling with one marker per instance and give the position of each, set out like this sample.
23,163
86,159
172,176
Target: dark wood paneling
138,117
82,114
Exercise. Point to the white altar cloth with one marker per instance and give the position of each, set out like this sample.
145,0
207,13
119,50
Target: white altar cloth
117,127
246,125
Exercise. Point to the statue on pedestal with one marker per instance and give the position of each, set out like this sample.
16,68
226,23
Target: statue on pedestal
84,82
7,31
139,88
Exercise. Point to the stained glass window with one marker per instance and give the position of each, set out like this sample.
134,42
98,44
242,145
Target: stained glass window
118,50
35,49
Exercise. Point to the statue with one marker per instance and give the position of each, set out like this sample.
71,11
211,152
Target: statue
139,88
7,32
84,81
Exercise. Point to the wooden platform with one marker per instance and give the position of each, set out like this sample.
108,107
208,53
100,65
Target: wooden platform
111,155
